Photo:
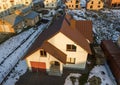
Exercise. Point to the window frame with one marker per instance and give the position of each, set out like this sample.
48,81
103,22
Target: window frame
43,53
71,60
71,47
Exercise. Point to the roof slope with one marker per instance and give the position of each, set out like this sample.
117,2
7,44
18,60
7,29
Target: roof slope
32,15
83,26
46,34
75,35
54,52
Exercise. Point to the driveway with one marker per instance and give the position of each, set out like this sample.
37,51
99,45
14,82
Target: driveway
39,78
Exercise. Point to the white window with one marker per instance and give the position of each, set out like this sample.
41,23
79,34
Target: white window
71,60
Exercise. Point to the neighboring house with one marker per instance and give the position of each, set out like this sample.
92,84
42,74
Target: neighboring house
9,6
57,47
11,24
113,3
73,4
52,4
30,17
94,4
37,5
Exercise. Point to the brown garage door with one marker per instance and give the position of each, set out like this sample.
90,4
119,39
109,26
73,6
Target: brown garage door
38,66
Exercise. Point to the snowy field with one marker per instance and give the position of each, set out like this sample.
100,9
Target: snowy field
105,23
10,60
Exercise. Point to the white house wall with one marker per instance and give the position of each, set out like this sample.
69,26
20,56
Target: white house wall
60,41
52,3
37,58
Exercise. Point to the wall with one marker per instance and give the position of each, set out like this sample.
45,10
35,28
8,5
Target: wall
95,5
60,41
71,4
37,58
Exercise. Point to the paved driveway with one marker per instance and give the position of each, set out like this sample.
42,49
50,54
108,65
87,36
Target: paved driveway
39,78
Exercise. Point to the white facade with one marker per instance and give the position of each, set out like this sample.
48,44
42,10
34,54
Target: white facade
35,57
60,41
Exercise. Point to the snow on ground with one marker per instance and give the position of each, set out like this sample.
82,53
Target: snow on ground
19,70
105,22
68,80
10,45
101,72
10,62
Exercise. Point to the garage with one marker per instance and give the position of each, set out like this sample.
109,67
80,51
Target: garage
38,66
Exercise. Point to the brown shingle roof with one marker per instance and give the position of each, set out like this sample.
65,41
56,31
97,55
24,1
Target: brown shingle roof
46,34
59,25
83,26
54,51
75,35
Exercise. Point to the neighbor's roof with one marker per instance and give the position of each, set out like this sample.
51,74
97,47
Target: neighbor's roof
25,9
13,19
59,25
32,15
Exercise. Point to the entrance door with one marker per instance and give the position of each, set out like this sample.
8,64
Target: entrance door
38,66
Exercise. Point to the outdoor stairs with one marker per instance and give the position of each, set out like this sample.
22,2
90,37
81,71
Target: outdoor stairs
54,72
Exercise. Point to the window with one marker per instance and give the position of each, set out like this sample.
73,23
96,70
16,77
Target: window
52,4
26,2
43,53
71,60
99,2
118,4
92,2
71,47
91,6
98,6
76,6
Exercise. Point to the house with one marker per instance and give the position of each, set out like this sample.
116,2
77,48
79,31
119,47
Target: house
57,47
72,4
112,54
30,17
8,6
11,24
37,5
94,5
52,4
113,3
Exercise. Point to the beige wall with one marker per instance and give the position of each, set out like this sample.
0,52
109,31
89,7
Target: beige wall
60,41
71,4
37,58
6,27
50,3
95,5
32,22
4,6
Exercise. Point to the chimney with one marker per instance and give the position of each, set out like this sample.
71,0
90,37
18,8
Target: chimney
73,23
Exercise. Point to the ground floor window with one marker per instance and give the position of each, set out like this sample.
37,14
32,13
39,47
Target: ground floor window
71,60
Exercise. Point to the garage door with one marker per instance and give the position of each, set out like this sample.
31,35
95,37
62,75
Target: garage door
38,66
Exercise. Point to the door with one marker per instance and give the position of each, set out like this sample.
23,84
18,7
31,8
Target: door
38,66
